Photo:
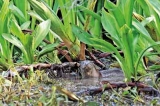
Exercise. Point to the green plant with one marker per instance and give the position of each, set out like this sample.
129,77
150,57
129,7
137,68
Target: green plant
27,43
20,10
128,35
150,8
88,17
5,47
60,29
70,15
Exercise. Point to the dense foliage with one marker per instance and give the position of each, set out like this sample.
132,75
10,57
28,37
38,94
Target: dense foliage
32,31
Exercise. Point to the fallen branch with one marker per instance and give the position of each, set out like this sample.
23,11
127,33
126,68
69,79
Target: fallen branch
141,87
60,68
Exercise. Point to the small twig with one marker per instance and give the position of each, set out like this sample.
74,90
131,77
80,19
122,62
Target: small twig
103,55
25,31
95,59
46,41
141,88
65,53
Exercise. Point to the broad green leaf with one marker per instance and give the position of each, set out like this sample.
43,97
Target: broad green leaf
40,7
147,20
56,6
35,15
47,49
144,6
110,25
23,6
16,30
140,28
4,18
105,46
41,32
150,9
25,25
45,12
155,5
128,11
116,12
68,18
3,14
81,34
17,12
55,35
12,39
28,47
87,11
97,43
155,11
5,46
97,29
128,49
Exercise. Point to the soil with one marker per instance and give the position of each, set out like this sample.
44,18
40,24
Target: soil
88,83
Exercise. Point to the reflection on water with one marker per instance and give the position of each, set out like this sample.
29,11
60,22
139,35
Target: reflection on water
79,86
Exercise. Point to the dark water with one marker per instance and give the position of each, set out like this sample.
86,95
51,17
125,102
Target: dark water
111,97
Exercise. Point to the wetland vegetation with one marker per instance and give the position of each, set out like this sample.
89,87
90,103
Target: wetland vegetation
79,52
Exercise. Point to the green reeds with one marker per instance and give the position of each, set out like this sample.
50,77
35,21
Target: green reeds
5,47
128,35
27,43
62,30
